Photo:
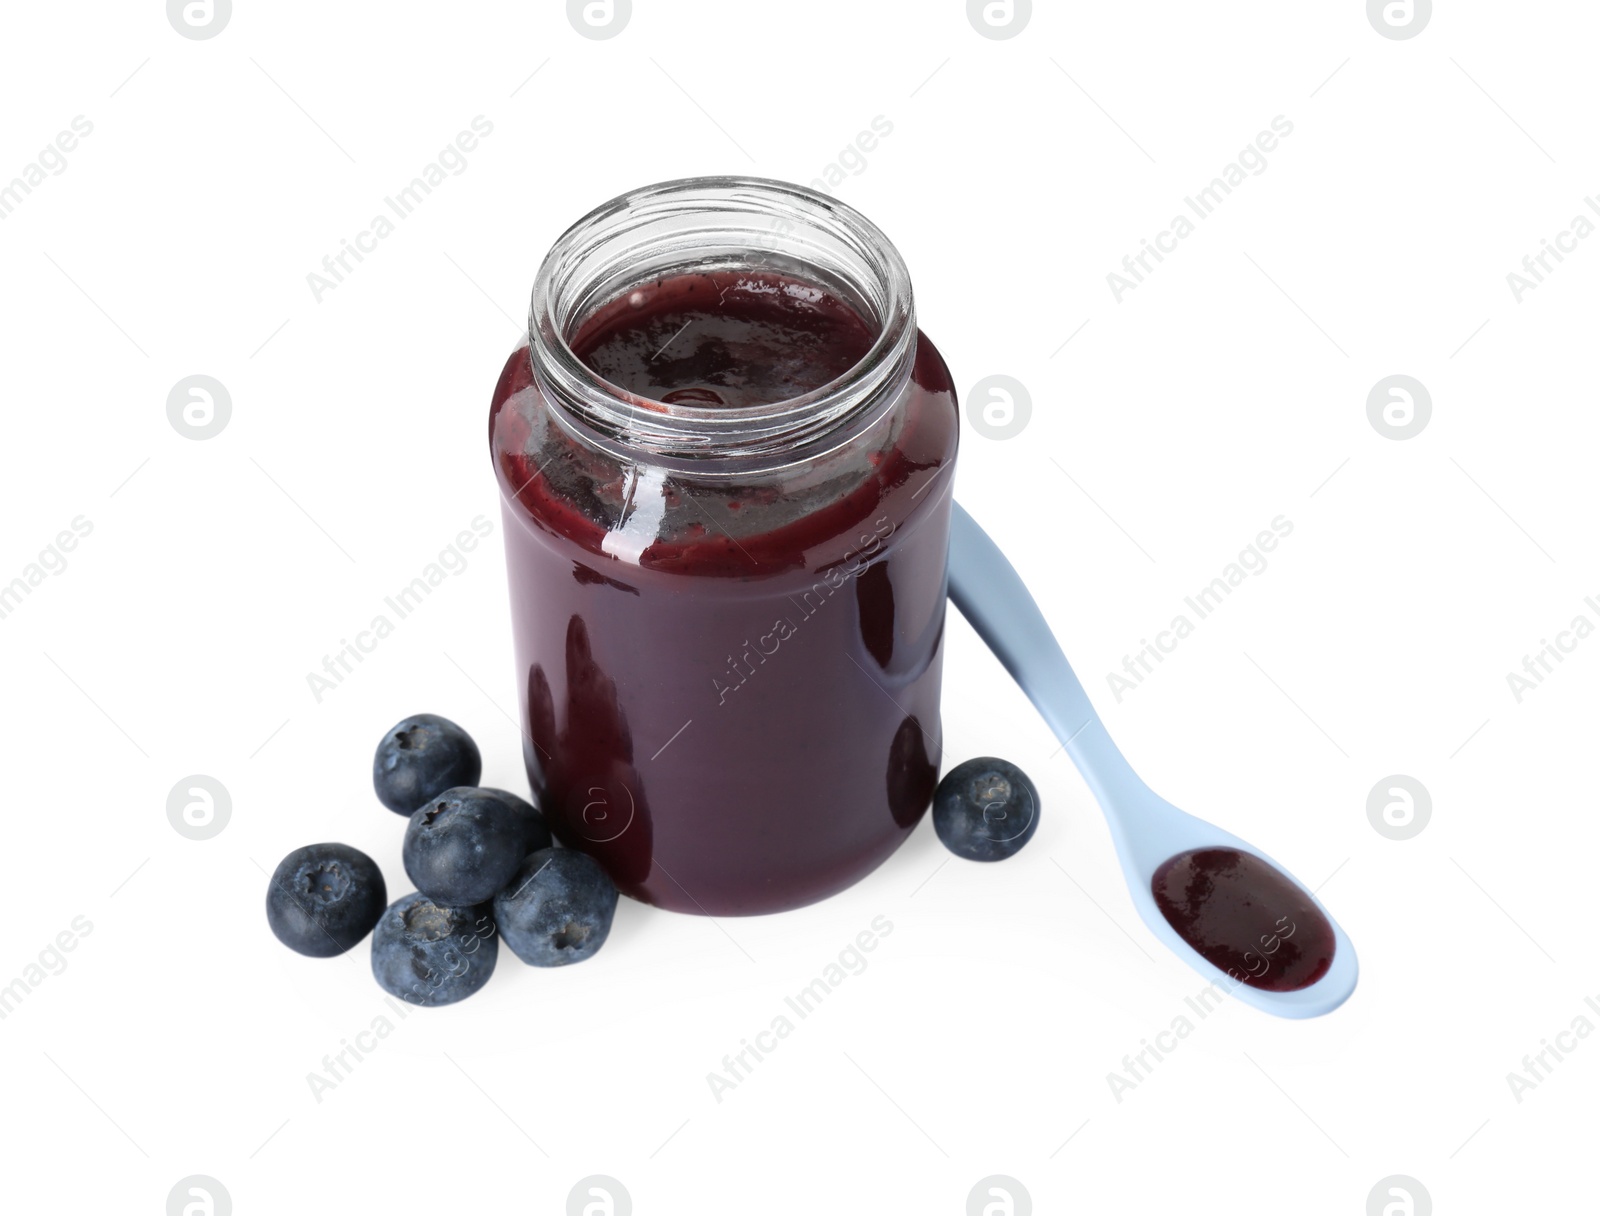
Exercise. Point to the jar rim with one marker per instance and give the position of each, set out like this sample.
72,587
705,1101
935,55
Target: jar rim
692,223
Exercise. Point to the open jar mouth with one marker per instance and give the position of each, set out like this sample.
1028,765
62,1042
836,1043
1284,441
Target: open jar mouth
706,224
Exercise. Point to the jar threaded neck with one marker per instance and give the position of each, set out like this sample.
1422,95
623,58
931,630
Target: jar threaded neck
699,225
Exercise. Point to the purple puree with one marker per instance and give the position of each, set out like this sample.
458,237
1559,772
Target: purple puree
723,339
1245,917
747,719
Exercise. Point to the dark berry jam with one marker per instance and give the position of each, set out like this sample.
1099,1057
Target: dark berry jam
730,684
1245,917
724,338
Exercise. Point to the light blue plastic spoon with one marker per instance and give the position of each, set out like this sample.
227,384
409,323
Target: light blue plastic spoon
1146,828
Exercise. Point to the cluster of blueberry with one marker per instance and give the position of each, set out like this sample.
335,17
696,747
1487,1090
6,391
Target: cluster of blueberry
484,866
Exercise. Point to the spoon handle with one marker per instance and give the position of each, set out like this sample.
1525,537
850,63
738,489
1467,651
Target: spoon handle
991,595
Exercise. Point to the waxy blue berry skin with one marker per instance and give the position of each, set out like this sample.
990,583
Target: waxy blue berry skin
536,833
465,845
557,909
431,955
324,898
985,809
421,757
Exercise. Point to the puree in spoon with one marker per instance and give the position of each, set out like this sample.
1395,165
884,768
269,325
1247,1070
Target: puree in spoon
1245,917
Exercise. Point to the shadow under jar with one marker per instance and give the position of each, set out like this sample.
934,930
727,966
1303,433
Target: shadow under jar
725,454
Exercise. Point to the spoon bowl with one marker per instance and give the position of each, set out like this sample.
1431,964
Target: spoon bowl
1146,829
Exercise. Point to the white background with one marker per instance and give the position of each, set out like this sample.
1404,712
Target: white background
1227,389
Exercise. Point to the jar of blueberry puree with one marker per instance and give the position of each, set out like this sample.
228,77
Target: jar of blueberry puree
725,453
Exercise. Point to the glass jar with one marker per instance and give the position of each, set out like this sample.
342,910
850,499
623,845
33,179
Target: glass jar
728,619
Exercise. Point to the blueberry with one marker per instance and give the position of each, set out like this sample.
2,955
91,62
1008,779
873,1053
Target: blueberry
536,832
429,954
557,909
420,758
985,809
464,846
324,898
